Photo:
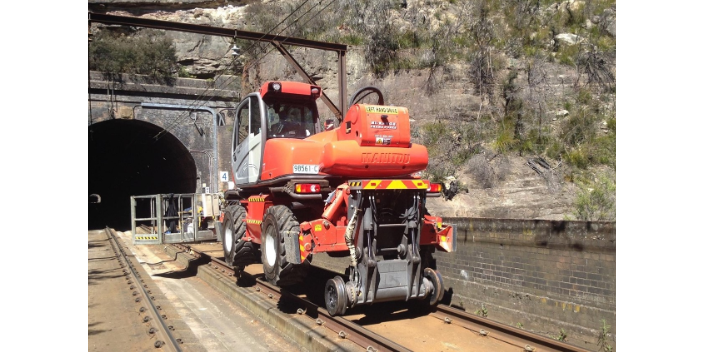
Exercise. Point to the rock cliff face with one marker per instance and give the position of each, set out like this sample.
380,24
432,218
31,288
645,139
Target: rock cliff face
519,192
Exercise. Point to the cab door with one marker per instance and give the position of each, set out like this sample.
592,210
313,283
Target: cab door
247,141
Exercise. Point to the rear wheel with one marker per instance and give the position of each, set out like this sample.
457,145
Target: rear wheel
279,222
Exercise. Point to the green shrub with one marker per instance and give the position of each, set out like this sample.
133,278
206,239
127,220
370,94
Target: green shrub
579,128
555,150
409,39
182,72
596,200
577,157
604,150
584,96
352,39
433,132
504,139
148,52
602,340
567,54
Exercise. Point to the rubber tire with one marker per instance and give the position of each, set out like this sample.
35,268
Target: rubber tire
226,228
277,270
335,296
245,252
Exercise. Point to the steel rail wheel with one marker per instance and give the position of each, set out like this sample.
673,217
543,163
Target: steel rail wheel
335,297
438,287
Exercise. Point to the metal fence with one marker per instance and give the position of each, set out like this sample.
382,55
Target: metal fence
174,218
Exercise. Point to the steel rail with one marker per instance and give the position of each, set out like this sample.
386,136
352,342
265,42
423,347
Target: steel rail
502,332
168,341
343,327
365,338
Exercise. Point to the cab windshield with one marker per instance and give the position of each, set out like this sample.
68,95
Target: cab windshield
290,119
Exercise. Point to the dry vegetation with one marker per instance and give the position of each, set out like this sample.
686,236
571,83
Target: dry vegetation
519,70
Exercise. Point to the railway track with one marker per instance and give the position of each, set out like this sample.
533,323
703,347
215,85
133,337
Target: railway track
142,295
455,321
127,311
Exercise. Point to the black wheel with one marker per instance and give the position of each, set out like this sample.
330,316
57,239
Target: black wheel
335,297
358,96
226,230
438,287
238,252
279,221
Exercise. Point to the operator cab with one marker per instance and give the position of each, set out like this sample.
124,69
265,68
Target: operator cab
291,119
278,110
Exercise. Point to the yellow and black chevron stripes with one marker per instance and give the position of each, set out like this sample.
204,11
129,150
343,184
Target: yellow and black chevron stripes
252,221
302,248
389,184
256,199
143,238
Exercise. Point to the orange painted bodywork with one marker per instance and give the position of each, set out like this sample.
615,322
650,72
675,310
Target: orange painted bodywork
297,88
328,233
316,237
256,207
433,231
369,148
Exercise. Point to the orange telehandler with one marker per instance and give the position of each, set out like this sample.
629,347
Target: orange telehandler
303,188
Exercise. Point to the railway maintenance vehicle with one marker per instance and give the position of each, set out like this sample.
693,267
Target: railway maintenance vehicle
303,188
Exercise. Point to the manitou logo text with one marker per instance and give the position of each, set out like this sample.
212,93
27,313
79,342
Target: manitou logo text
386,158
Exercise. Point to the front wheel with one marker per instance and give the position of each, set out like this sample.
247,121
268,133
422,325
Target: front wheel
238,251
227,228
279,222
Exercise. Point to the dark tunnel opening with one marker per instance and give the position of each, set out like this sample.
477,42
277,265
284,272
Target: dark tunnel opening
124,159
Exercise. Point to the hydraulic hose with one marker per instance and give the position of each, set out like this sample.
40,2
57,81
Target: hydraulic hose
349,234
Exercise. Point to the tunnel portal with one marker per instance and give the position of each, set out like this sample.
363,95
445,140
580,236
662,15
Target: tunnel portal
125,159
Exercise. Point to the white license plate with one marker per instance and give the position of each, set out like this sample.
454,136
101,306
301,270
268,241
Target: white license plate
305,169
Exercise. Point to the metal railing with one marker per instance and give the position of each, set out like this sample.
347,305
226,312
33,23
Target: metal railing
174,218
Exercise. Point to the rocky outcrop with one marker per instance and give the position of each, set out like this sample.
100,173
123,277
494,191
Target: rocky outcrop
523,193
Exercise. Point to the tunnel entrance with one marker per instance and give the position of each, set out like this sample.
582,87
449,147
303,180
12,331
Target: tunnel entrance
124,159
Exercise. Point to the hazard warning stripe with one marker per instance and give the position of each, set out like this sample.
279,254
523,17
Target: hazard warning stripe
252,221
355,183
394,184
302,248
146,238
256,199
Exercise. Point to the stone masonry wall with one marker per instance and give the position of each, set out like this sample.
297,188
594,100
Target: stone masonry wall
539,275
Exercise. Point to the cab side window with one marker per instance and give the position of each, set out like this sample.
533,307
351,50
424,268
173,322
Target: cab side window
256,124
308,121
242,124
